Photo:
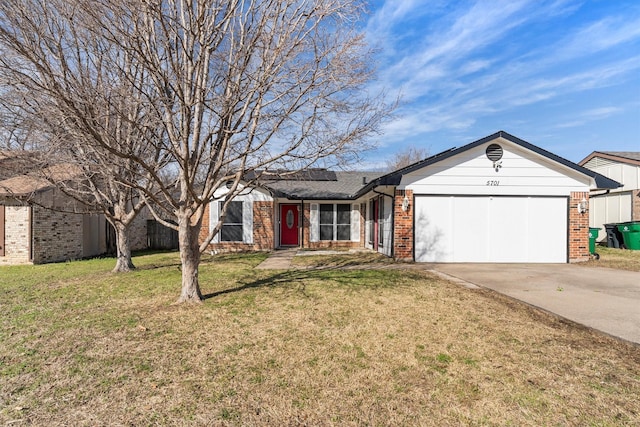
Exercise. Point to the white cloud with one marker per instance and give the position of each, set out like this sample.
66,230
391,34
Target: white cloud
600,35
459,70
589,116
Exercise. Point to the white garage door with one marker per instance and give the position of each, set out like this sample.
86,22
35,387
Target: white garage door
490,229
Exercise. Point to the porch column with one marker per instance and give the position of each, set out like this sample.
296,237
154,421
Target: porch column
578,229
403,225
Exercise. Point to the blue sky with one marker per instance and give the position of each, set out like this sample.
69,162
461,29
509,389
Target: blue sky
560,74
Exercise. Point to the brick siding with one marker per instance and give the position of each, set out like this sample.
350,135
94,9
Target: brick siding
578,229
57,236
263,225
636,205
403,226
52,236
263,231
17,234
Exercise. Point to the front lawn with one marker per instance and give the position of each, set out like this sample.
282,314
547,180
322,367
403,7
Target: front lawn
82,346
622,259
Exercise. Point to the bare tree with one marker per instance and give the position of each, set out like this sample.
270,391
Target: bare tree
406,157
241,86
17,131
77,97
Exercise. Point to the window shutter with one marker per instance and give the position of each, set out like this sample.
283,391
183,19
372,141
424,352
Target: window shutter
247,222
314,227
213,220
355,223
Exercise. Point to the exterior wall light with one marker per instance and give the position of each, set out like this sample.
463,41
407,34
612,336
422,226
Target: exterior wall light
583,206
405,204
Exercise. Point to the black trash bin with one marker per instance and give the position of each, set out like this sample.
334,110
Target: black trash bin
614,236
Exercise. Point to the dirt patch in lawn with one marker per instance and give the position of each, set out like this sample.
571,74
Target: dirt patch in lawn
331,347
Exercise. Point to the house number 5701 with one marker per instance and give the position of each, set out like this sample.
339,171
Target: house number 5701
493,183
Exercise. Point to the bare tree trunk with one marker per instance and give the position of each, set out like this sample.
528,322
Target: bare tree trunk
190,257
193,95
123,247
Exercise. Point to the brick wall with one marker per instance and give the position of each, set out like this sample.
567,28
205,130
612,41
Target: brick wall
204,230
403,226
636,205
263,230
578,229
57,236
17,234
263,225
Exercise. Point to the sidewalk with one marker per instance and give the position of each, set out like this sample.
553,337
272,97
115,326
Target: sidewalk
278,260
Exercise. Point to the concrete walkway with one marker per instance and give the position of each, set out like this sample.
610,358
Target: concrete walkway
278,260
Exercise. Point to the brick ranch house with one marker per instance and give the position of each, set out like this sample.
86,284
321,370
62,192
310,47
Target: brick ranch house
498,199
31,233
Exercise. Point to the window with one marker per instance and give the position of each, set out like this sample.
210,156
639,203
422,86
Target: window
335,222
326,222
231,230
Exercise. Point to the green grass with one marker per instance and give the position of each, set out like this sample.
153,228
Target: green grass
621,259
83,346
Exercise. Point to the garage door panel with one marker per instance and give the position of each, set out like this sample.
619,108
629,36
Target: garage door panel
490,229
470,245
548,230
509,237
432,236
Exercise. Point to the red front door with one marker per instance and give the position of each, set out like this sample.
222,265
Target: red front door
289,225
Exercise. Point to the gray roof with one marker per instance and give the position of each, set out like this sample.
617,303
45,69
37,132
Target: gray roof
343,185
633,155
629,157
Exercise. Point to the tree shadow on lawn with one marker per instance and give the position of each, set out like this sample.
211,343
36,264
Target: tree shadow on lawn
279,279
352,278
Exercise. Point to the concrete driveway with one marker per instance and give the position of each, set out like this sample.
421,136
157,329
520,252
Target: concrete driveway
601,298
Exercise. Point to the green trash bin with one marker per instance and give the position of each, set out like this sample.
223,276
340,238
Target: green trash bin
593,235
630,234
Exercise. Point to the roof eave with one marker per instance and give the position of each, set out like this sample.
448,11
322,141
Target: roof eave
609,156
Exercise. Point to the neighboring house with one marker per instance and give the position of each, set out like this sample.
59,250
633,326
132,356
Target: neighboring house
498,199
614,205
32,233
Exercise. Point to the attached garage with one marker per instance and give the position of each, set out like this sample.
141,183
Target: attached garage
491,229
498,199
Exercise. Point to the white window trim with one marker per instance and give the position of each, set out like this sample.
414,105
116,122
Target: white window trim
314,218
247,220
354,222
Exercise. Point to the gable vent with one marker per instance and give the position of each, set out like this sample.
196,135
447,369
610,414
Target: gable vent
494,152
